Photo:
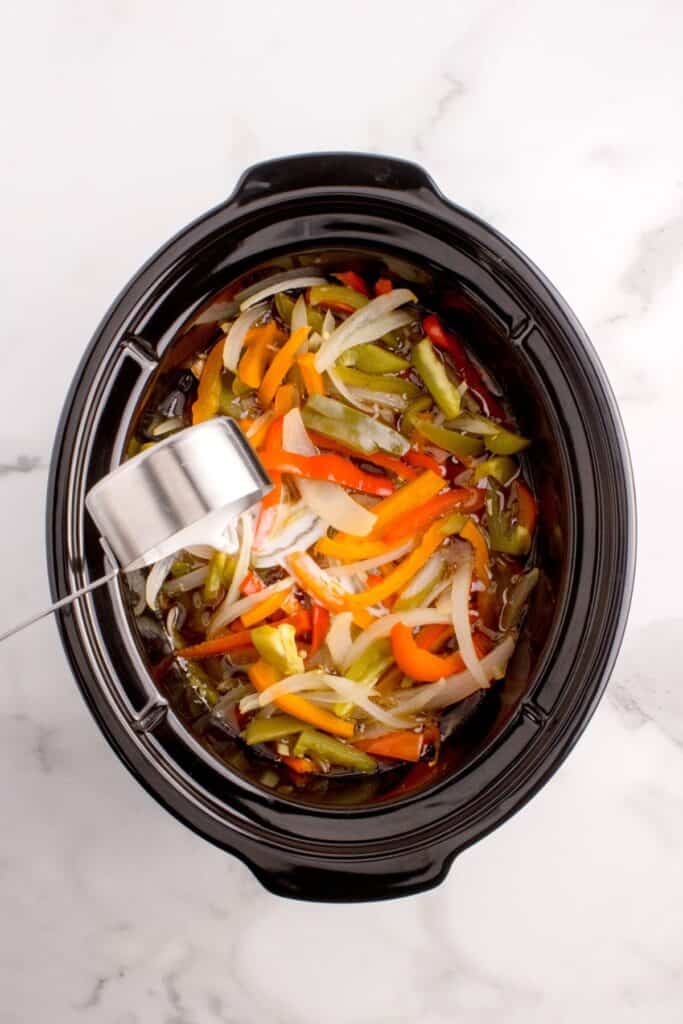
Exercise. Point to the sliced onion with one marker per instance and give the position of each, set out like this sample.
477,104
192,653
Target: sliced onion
368,564
428,574
338,639
372,398
295,437
259,423
367,324
135,581
460,610
281,283
349,393
224,609
359,695
236,334
452,689
155,579
227,613
189,581
218,311
329,324
299,315
166,426
204,551
384,626
474,424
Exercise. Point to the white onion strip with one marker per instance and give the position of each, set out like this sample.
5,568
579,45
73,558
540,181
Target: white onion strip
281,285
227,613
348,393
338,639
460,610
452,689
384,626
224,609
299,315
370,316
236,334
372,398
368,564
189,581
155,579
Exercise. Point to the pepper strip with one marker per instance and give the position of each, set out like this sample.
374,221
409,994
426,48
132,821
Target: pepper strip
405,501
388,462
233,640
403,573
281,365
209,391
471,532
252,365
465,499
313,381
261,675
447,341
333,468
271,502
261,611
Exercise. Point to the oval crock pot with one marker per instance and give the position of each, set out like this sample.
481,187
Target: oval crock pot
363,205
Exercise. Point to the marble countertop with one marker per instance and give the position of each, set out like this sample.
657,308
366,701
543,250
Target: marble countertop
561,124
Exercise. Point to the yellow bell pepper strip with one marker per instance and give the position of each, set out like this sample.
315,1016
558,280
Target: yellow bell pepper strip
461,445
214,577
329,750
371,664
405,501
482,570
403,573
336,296
261,611
285,399
323,588
277,646
433,372
465,499
313,381
350,549
259,342
262,675
208,398
416,410
355,429
281,365
377,382
333,468
500,467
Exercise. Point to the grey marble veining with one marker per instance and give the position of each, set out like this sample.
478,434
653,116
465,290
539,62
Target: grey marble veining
561,124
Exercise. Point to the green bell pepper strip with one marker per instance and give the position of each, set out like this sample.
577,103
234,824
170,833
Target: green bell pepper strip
353,428
228,404
264,730
327,749
412,414
200,692
461,445
506,443
277,646
517,597
376,382
505,536
500,467
436,379
181,567
371,358
336,295
370,665
215,576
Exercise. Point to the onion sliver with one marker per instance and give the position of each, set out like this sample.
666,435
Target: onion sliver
281,284
247,536
452,689
227,613
348,334
299,315
384,626
460,610
189,581
236,334
372,398
155,579
338,639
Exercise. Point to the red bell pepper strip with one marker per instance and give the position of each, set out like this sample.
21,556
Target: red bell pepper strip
448,342
400,746
334,468
269,504
383,285
388,462
320,623
353,280
424,461
251,584
463,499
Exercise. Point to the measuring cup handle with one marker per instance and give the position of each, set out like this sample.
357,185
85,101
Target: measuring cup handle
69,599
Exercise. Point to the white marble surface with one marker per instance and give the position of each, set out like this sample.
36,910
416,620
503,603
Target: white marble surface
559,122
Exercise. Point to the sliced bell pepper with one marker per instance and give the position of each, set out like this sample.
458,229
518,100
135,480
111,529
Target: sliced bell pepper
388,462
433,637
405,501
404,745
416,411
277,646
461,445
208,398
235,640
300,765
526,505
369,666
424,461
323,588
471,532
333,468
285,399
372,358
404,572
500,467
260,341
281,365
433,372
377,382
251,584
350,549
383,285
506,536
270,503
465,499
265,730
262,675
448,342
267,607
355,429
325,748
313,381
336,296
353,280
418,663
214,578
320,623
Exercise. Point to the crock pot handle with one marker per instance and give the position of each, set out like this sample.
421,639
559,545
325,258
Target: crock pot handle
330,172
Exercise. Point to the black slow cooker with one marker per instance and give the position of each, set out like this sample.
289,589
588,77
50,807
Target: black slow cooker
365,207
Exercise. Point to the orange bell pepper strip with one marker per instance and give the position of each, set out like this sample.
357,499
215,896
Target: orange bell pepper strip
471,532
526,505
236,639
424,461
300,765
388,462
251,584
313,381
404,745
256,434
432,637
281,365
405,501
267,607
351,550
208,398
285,399
334,468
353,280
259,341
271,502
418,663
262,675
462,498
383,285
320,623
323,588
403,573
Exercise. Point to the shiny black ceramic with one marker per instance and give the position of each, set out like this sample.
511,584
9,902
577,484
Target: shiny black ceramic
365,846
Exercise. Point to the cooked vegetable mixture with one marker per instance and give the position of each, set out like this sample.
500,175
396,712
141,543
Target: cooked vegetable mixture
383,578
